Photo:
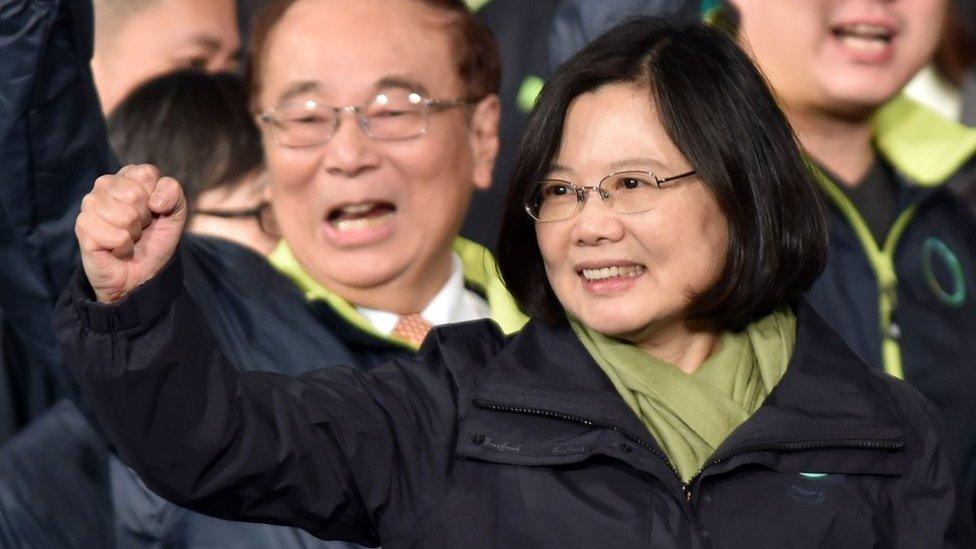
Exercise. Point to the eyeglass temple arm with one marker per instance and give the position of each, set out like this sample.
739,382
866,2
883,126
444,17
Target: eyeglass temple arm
673,177
229,214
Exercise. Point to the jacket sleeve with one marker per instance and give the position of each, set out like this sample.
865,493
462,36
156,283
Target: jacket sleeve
336,452
53,145
53,140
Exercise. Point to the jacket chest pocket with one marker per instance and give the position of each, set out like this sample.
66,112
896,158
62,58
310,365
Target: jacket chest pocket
596,503
761,508
501,505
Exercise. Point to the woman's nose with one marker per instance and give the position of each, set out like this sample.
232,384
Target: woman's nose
596,221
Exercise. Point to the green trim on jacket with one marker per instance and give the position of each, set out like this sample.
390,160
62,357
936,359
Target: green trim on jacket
479,271
475,5
921,144
925,148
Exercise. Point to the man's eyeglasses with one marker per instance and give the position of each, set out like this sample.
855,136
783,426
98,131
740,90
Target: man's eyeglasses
624,192
391,115
261,213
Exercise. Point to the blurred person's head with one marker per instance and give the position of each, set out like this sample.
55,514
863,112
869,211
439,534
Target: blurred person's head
197,128
842,58
370,202
138,39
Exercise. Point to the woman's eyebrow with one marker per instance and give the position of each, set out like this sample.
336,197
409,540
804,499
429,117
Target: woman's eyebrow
642,161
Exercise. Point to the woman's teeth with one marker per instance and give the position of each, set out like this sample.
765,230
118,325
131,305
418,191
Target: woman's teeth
613,272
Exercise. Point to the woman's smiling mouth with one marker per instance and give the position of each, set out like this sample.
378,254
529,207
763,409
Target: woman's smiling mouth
610,277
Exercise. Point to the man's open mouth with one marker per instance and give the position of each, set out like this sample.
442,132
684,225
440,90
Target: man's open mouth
361,215
864,36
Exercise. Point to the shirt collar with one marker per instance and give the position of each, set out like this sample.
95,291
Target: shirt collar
451,304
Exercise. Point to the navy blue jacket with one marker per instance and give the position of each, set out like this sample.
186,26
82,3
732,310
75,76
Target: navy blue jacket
482,441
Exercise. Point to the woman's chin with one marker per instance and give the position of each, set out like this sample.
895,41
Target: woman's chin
615,325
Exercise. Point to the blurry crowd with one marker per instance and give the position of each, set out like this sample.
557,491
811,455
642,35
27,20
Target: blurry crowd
215,95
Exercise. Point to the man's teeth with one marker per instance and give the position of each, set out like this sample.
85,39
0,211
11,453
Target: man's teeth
864,44
863,36
613,272
361,223
357,209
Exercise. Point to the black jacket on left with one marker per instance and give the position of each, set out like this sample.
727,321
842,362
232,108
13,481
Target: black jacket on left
53,145
481,441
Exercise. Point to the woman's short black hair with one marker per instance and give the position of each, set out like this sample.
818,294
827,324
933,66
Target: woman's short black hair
194,126
716,107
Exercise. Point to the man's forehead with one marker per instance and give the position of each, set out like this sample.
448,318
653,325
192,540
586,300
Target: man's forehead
403,81
397,23
332,51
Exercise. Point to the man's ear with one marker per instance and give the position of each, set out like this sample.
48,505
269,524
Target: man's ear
484,140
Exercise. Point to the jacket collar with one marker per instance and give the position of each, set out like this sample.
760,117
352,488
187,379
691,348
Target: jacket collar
827,394
479,274
920,143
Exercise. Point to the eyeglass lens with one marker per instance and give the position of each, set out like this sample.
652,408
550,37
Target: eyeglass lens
391,114
625,192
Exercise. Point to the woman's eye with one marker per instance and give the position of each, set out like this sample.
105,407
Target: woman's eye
631,183
557,190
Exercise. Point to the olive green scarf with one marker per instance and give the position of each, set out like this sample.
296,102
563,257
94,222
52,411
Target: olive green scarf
690,415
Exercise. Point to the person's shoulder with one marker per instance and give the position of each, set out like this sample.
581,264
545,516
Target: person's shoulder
476,339
219,264
911,404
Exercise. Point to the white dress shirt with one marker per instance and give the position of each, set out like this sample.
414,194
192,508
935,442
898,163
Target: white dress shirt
453,303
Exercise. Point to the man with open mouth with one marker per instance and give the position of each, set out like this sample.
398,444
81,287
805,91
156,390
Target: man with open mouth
375,142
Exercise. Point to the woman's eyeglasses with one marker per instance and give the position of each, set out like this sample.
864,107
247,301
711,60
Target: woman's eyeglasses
624,192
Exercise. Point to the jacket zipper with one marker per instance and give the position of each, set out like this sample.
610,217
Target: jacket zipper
888,445
500,407
880,257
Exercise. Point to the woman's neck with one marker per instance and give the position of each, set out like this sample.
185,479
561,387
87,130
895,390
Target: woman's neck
685,348
842,146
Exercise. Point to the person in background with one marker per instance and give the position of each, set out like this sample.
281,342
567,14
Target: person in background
577,22
138,39
521,27
374,143
672,389
198,127
900,278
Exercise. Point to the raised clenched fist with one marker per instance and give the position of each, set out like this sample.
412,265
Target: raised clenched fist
128,229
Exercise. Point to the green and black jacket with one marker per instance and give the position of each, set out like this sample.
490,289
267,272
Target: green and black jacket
906,304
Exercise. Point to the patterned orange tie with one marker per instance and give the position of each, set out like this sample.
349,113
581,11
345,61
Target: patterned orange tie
412,328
